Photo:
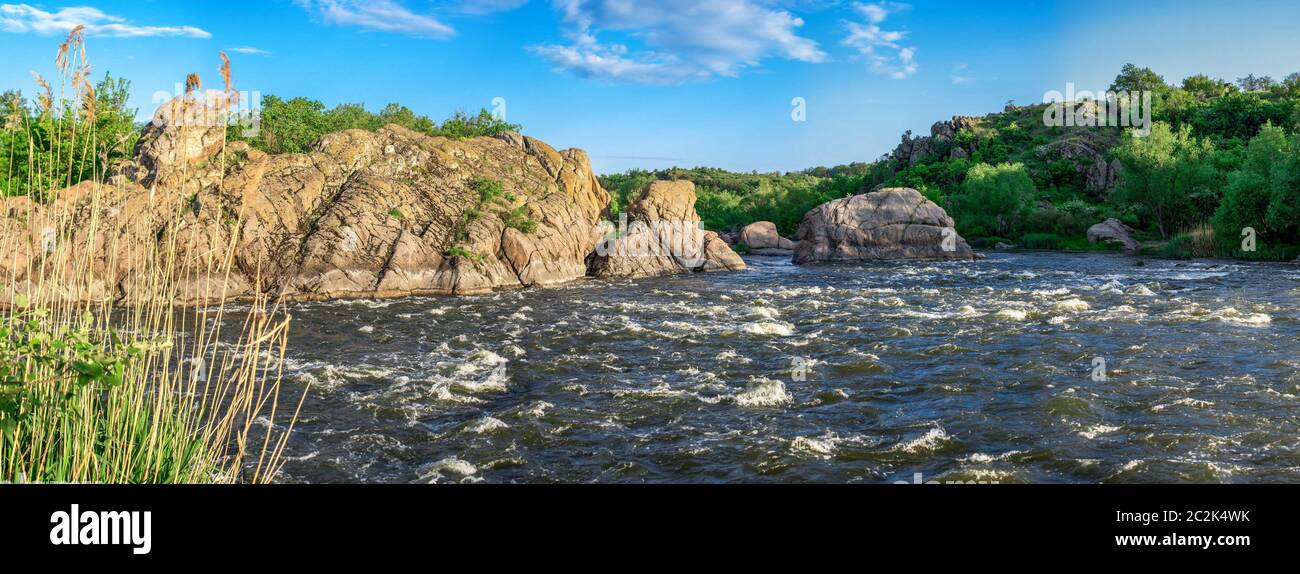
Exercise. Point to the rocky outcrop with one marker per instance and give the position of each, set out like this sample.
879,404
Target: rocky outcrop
662,235
1089,158
1084,147
1114,231
184,134
889,224
762,238
363,214
913,150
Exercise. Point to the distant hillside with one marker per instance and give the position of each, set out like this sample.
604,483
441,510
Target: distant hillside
1010,177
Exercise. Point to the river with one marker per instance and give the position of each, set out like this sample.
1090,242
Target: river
1025,367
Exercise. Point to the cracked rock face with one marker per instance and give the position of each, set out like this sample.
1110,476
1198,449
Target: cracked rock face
663,237
889,224
365,214
183,134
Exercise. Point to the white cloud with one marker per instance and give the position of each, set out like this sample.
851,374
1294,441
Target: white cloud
487,6
380,15
883,49
250,51
683,40
875,13
24,18
961,75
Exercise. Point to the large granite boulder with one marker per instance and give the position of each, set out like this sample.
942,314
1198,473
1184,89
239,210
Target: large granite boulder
889,224
1114,231
661,235
363,214
762,238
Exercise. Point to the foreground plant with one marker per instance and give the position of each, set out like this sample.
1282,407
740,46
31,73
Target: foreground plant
93,389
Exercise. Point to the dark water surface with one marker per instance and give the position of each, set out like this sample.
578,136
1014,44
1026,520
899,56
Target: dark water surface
959,371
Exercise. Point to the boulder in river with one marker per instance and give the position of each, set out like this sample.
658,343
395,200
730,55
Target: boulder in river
889,224
1114,231
762,238
662,235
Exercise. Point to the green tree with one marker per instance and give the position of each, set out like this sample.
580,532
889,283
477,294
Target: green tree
1241,115
1253,83
993,200
57,144
290,126
403,116
462,125
1205,87
1168,176
1133,79
1265,193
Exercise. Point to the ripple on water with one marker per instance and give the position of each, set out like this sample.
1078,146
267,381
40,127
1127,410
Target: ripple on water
691,378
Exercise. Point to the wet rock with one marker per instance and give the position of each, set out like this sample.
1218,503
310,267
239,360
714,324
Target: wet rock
663,237
763,236
889,224
1114,231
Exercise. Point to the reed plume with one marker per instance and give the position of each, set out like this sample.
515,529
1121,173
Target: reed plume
15,118
45,99
230,96
89,102
192,83
73,45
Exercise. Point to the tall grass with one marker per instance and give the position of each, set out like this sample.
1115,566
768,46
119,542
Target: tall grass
143,390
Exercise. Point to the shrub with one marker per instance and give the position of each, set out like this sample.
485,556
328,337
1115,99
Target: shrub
463,126
293,125
1168,176
1264,194
56,144
994,200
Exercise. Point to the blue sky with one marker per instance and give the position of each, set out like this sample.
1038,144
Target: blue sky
657,83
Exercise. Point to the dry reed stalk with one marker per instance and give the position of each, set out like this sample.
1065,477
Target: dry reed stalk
188,404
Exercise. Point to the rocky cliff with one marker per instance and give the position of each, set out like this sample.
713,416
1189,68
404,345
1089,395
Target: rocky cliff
363,214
